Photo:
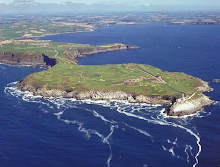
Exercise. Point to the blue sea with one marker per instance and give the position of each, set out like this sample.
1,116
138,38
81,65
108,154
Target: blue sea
56,132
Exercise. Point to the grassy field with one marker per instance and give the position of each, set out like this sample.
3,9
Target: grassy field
131,78
26,30
36,46
124,77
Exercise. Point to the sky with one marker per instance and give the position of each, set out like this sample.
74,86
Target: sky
146,2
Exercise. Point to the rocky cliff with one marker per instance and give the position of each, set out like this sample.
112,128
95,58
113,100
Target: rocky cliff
94,95
75,53
203,86
34,59
23,58
178,105
189,106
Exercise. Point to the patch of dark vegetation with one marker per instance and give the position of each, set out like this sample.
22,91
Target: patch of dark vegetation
49,61
197,84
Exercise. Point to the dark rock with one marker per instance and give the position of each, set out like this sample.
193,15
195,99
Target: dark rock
25,58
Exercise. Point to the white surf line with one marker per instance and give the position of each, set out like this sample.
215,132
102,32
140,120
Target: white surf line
106,140
88,132
25,96
188,147
140,131
102,117
96,114
165,123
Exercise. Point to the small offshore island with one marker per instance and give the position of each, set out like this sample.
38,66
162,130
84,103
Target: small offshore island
134,83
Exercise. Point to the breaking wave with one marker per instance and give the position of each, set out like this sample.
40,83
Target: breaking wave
152,115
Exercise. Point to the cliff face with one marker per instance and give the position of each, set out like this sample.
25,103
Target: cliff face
33,59
93,95
75,53
23,58
190,106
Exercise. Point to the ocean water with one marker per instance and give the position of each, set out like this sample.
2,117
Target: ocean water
68,133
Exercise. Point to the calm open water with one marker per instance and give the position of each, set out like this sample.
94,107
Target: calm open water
67,133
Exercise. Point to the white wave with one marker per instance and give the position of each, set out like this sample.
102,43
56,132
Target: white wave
89,132
121,106
188,147
217,103
106,140
103,118
140,131
195,129
174,142
44,110
59,114
60,101
164,148
123,129
171,150
165,123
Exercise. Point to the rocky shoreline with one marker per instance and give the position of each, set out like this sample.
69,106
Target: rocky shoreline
192,104
75,53
94,95
33,59
176,107
26,59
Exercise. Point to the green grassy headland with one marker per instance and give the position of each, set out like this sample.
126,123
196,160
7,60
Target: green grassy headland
67,75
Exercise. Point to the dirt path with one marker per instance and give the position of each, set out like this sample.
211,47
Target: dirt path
160,80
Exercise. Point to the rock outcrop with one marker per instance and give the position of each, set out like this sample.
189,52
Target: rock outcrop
94,95
189,106
24,58
203,87
216,80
